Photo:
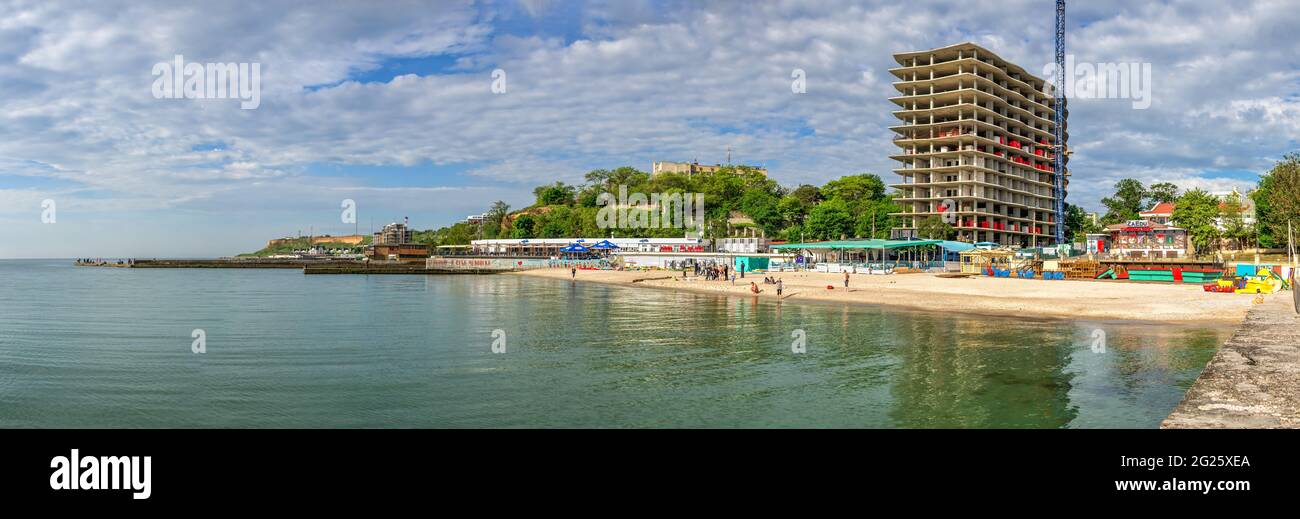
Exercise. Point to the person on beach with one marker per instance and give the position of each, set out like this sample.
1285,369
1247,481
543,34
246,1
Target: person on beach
573,272
753,287
846,280
742,271
779,286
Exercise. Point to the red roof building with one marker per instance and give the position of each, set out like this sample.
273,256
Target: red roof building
1162,213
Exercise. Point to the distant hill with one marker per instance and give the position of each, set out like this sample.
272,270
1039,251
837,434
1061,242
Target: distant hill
288,245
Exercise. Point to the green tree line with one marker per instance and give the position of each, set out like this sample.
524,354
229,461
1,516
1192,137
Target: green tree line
1209,220
850,206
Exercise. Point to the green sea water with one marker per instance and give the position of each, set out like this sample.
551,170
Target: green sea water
110,347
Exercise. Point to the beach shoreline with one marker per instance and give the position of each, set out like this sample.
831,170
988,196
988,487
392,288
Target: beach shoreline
980,295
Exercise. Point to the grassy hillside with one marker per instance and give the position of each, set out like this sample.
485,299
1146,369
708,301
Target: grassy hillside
299,243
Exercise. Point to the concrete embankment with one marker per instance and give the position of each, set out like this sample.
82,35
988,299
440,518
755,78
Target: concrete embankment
408,268
1253,381
324,267
233,263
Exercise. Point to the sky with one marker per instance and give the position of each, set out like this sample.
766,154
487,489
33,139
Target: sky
397,105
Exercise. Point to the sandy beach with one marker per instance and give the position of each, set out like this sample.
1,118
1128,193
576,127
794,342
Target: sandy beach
982,295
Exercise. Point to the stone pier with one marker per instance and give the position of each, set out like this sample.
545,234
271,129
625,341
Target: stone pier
1253,381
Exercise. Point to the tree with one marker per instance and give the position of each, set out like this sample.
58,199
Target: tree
523,227
934,228
875,220
792,211
856,191
1162,192
1078,225
855,187
830,220
495,215
1264,224
1197,211
1232,221
761,207
457,234
1284,196
1129,199
555,194
807,194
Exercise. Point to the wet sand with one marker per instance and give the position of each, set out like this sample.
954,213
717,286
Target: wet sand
980,295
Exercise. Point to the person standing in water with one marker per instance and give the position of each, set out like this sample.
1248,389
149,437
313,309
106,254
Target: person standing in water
573,272
779,286
846,280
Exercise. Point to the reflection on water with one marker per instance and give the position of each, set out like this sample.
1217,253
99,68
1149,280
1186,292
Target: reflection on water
287,350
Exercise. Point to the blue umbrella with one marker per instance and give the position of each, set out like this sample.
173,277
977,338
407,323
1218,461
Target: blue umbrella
604,244
577,247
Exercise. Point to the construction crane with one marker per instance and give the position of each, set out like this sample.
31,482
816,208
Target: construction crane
1059,114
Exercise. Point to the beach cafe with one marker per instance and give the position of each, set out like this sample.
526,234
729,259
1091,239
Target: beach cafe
877,254
576,249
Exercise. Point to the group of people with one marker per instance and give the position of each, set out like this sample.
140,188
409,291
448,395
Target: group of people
726,272
100,261
714,272
773,280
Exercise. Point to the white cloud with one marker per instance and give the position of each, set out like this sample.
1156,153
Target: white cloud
646,81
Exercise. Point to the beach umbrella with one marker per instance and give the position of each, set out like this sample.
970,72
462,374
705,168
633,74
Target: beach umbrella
576,248
604,245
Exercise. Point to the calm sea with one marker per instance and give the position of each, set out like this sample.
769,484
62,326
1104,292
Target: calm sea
109,347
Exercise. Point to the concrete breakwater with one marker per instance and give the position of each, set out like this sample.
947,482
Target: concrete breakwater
394,268
225,263
436,265
1253,381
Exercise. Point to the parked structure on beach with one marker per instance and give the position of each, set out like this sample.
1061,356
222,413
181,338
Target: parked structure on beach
395,243
1147,239
977,147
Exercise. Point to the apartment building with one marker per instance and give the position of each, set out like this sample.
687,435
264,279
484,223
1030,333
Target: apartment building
393,234
976,146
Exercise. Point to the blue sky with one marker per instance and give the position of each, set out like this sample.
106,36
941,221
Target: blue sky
393,107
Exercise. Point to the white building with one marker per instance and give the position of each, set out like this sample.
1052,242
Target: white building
751,245
549,247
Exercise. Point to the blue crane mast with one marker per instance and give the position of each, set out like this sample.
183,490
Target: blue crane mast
1059,116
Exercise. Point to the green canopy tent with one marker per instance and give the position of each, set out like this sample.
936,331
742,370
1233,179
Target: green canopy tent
864,245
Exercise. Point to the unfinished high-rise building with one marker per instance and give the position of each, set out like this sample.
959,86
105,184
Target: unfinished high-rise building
977,147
